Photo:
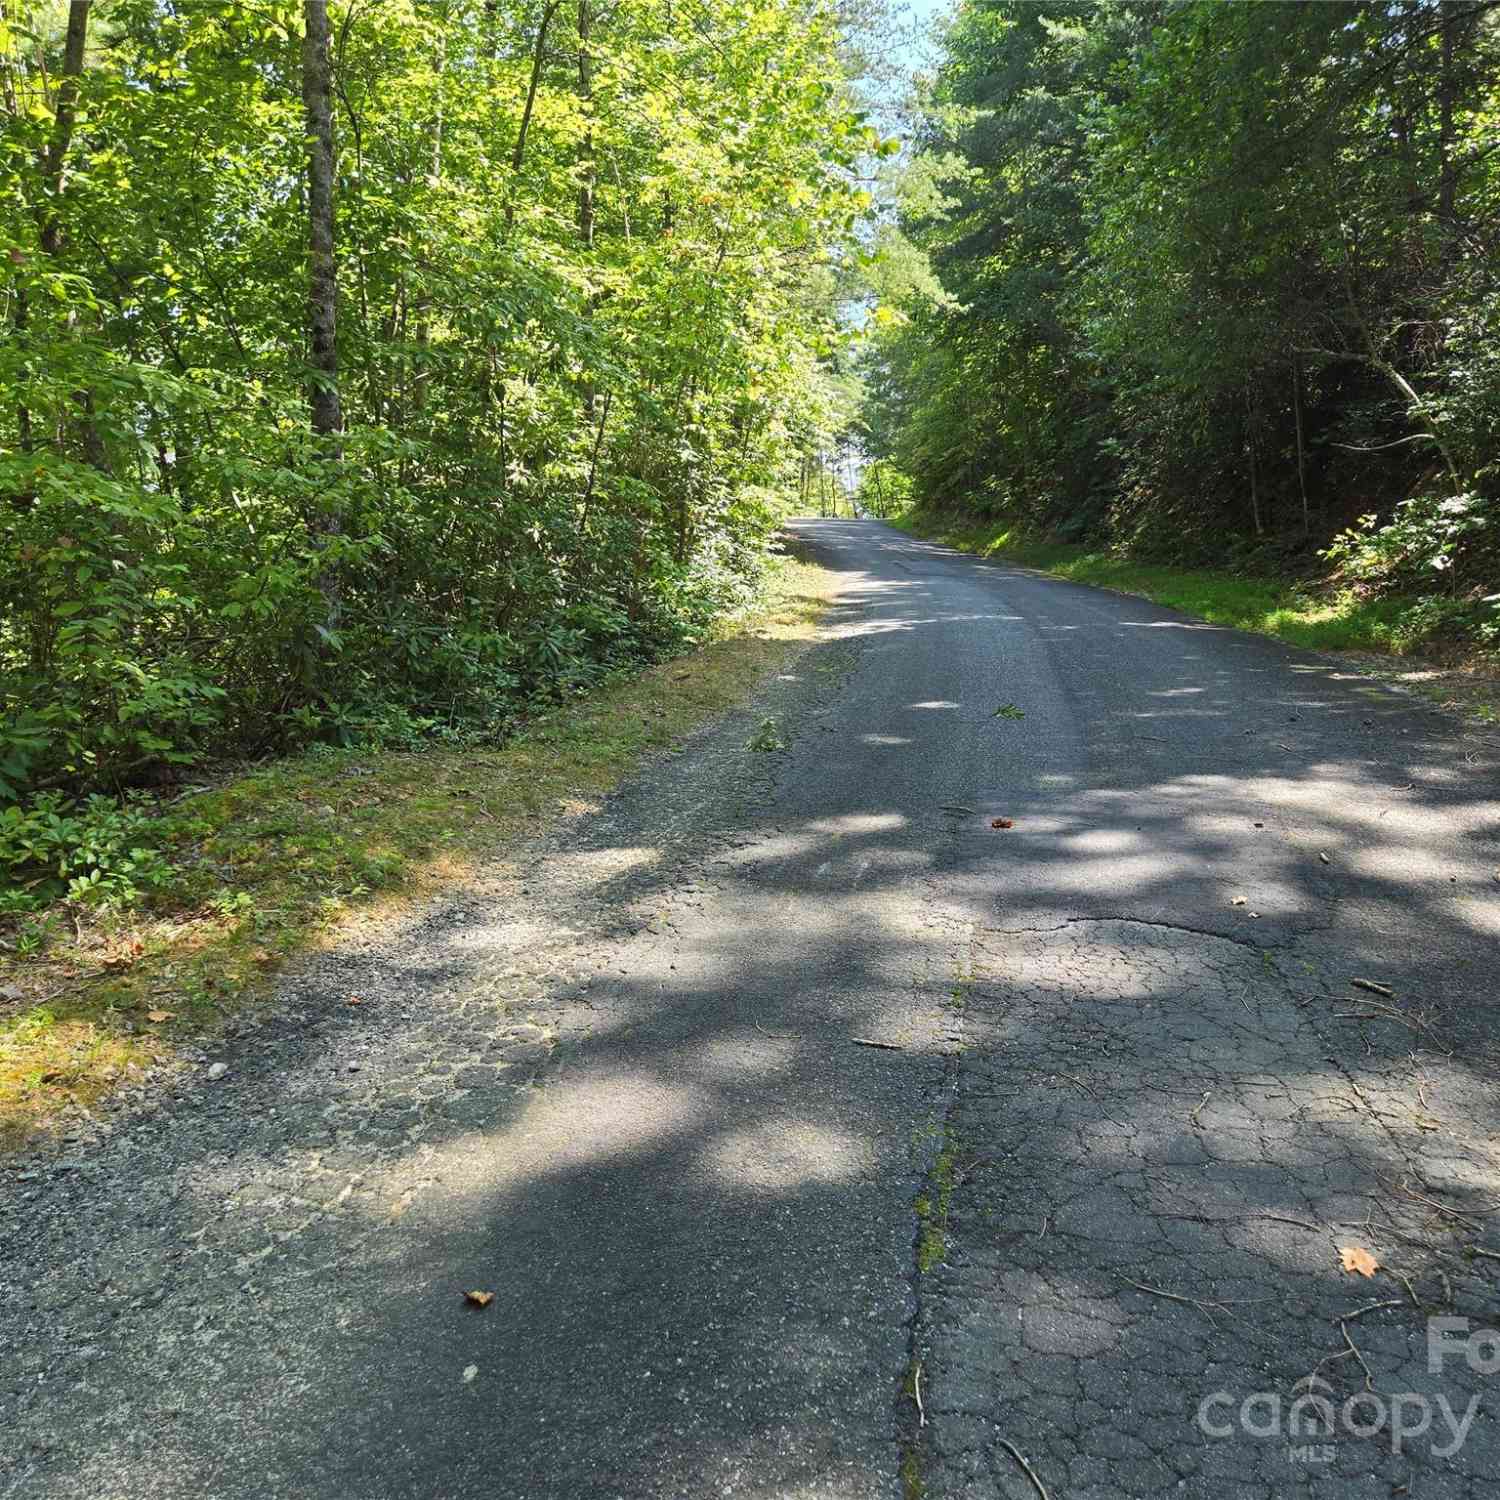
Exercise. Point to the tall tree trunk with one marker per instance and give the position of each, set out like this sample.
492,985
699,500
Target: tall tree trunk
422,375
1301,459
25,498
1254,472
538,60
322,272
55,155
586,149
1447,89
586,168
54,166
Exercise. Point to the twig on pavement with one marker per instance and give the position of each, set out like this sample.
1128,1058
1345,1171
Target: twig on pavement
1020,1458
1359,1312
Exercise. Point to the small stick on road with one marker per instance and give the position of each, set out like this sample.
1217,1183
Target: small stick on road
869,1041
1374,989
1300,1223
1329,1359
916,1386
1452,1213
1369,1378
1020,1458
1359,1312
1202,1304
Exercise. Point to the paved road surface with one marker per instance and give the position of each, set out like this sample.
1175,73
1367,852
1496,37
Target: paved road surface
1131,1113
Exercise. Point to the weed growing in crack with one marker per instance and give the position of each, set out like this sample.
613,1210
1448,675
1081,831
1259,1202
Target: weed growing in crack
913,1485
768,737
932,1207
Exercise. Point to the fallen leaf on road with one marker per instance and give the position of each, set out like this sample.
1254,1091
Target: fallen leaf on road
479,1299
1357,1258
355,1000
470,1371
1002,823
1236,900
156,1017
1008,711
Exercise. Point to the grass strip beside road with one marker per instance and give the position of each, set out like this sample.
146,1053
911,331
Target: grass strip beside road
1379,634
282,859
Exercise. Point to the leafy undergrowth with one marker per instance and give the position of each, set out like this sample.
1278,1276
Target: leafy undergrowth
276,861
1338,619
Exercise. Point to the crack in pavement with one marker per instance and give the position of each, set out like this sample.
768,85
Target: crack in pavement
1208,932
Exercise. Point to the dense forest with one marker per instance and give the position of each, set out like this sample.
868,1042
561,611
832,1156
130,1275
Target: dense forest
372,371
1215,283
370,368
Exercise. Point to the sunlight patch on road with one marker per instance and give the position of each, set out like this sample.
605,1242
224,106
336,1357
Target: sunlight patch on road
779,1155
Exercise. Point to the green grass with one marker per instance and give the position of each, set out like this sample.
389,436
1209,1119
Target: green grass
288,857
933,1206
1319,619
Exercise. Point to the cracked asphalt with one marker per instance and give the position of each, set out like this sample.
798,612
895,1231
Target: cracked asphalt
670,1081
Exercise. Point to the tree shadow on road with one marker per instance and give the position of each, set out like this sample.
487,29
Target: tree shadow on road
1124,1026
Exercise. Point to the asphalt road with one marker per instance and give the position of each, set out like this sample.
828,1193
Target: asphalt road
1088,1194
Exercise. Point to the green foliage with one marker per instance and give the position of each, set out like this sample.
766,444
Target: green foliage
884,491
1425,537
99,852
567,430
1214,280
767,738
1329,619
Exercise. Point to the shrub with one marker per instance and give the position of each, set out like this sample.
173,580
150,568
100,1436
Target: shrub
100,852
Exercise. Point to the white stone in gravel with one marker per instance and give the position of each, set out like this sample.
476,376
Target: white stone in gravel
217,1071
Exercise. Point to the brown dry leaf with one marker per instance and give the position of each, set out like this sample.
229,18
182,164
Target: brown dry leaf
355,1000
479,1299
260,956
1002,823
125,955
1357,1258
156,1017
